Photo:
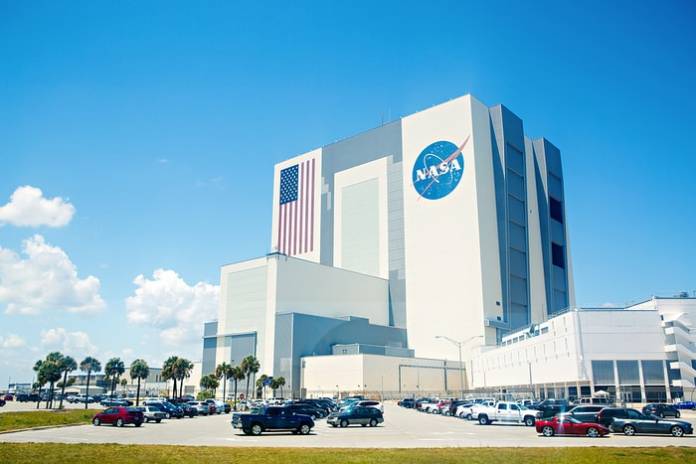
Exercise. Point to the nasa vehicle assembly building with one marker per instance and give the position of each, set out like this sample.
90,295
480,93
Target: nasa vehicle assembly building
402,256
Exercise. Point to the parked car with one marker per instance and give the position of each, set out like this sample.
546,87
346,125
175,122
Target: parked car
363,415
506,411
686,405
168,408
550,407
272,418
409,403
641,423
8,397
116,402
584,413
464,410
371,404
188,410
201,407
153,413
325,406
220,407
119,416
306,409
568,425
661,410
2,402
476,407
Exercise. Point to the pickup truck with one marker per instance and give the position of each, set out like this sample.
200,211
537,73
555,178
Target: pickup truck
506,411
272,418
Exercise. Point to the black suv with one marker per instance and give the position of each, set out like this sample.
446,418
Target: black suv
661,410
550,407
585,412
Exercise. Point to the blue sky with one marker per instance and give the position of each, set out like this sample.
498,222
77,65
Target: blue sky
160,123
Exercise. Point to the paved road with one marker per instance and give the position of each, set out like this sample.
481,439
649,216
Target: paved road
402,429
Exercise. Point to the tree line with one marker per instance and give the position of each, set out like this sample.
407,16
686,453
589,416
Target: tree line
56,366
244,371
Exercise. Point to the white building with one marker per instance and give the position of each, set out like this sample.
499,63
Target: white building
643,352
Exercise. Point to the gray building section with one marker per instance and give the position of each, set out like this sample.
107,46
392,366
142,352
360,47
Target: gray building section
384,141
299,335
511,206
552,218
236,347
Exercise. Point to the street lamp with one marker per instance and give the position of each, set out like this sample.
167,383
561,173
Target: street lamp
459,345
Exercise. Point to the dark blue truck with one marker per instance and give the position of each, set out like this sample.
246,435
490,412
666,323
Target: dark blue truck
272,418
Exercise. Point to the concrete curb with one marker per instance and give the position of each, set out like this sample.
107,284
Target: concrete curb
44,427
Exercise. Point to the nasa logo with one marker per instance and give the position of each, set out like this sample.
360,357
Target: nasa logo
438,169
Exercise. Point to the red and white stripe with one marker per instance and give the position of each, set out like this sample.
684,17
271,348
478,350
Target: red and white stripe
296,218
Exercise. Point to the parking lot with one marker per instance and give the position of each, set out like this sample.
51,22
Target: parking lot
403,428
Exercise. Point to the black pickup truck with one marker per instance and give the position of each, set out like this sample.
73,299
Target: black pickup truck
272,418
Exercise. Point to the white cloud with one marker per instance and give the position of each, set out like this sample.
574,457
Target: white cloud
168,303
45,280
28,208
76,343
12,341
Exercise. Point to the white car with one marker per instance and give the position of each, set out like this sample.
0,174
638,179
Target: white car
371,404
427,406
506,411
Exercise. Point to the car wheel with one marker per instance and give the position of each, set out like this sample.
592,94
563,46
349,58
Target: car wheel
629,430
662,415
168,416
547,431
119,423
677,431
158,420
256,429
677,415
483,420
138,424
96,422
468,417
529,421
592,432
334,425
344,423
246,431
304,429
373,422
363,425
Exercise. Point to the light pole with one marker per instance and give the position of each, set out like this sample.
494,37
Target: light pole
459,345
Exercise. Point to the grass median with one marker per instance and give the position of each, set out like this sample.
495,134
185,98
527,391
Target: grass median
11,453
32,419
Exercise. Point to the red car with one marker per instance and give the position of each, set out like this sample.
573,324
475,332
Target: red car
567,425
8,397
119,416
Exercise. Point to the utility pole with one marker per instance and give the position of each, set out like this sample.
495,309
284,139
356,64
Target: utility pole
459,345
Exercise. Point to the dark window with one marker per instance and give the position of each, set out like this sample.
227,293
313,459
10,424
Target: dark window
556,209
557,255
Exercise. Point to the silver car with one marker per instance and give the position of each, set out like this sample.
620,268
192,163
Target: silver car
153,413
202,408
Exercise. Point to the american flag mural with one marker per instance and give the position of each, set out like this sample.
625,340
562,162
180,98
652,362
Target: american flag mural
296,209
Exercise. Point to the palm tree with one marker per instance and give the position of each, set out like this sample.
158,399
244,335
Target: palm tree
52,368
68,365
224,371
114,369
261,386
209,382
169,373
89,365
39,377
236,374
139,370
183,368
276,383
250,366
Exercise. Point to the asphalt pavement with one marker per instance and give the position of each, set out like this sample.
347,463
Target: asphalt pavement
402,428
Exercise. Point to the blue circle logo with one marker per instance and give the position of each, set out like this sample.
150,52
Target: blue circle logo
438,169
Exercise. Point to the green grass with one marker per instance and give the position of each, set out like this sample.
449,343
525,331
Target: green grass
115,454
29,419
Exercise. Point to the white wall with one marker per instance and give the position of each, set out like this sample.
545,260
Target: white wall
374,373
451,246
311,288
360,212
565,352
